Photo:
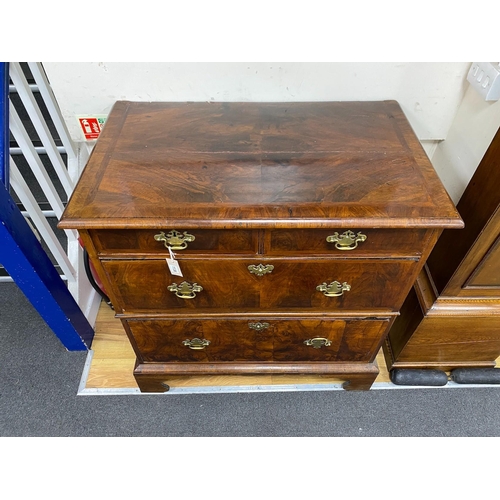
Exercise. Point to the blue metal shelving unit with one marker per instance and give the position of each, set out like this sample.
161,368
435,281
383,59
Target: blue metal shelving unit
24,258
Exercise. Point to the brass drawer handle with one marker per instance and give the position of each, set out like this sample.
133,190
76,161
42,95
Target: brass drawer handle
258,326
196,344
347,240
334,289
185,290
174,239
318,342
260,270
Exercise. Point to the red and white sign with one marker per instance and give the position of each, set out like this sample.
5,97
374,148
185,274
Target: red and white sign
91,127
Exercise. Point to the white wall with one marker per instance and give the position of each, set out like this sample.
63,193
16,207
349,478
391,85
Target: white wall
454,124
457,158
429,93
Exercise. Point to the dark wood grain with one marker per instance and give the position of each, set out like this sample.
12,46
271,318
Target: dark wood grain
228,284
258,165
234,340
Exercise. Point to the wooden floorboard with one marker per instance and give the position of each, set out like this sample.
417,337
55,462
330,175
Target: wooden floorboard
113,362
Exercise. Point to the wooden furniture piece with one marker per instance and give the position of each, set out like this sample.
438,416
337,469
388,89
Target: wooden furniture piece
451,318
299,229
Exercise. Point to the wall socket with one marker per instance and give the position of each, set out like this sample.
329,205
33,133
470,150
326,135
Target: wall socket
485,78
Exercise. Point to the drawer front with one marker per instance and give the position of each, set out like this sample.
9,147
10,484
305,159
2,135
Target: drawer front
326,285
261,339
147,285
346,243
149,241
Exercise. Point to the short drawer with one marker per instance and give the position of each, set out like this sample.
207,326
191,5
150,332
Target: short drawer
249,284
257,339
346,243
147,241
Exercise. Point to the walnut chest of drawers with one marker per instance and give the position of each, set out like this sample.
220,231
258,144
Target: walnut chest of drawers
299,229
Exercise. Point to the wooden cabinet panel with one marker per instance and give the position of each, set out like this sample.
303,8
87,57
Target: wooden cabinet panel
487,273
453,340
451,318
227,340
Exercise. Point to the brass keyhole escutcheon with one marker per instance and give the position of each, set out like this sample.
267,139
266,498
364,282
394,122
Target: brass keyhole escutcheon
258,326
185,290
260,270
174,239
334,289
318,342
196,344
347,240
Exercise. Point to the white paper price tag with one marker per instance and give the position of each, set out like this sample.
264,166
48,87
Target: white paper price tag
173,265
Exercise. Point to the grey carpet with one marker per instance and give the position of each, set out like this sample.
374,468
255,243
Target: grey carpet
39,382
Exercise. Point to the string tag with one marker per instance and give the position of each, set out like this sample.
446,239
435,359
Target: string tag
173,265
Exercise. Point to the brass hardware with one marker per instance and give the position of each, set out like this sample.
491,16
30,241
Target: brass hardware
258,326
196,344
334,289
346,241
260,270
174,239
185,290
318,342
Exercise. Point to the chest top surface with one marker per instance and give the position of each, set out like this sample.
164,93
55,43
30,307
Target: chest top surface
229,165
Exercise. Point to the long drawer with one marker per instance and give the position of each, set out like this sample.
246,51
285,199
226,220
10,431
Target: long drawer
250,284
256,339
